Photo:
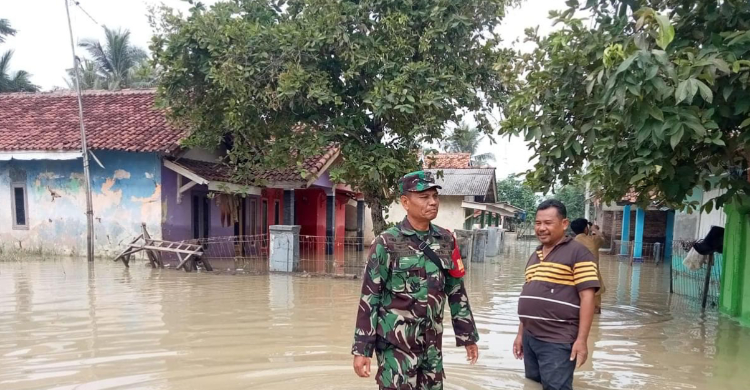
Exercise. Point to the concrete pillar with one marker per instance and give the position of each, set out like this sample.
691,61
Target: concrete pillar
625,230
464,240
640,223
479,251
669,236
482,220
284,248
289,208
497,220
330,221
493,242
360,225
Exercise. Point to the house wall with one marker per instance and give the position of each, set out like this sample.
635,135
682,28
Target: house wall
125,193
450,216
695,225
311,211
654,230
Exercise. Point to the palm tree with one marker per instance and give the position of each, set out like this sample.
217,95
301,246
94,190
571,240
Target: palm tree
12,82
465,139
90,79
117,62
5,29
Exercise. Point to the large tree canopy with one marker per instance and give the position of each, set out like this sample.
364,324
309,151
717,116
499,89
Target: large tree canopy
654,94
376,77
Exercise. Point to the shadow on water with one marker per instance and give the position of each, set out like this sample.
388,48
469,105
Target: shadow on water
66,325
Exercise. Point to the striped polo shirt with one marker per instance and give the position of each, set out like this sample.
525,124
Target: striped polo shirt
549,304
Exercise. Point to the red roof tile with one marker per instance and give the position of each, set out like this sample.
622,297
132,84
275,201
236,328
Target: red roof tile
123,120
447,160
225,173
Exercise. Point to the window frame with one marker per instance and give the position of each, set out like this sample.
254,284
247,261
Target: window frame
14,215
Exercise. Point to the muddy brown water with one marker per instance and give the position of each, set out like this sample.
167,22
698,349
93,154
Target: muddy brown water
65,325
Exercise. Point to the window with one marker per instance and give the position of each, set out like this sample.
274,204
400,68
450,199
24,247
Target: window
264,216
20,206
276,212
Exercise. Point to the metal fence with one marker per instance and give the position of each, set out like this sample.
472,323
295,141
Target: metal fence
326,255
701,285
638,252
242,253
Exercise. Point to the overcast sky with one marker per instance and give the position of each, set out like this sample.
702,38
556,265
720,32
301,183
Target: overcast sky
42,44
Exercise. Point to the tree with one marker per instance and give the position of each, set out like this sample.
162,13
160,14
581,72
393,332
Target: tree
376,78
517,193
656,99
465,139
573,196
116,63
5,29
89,77
19,81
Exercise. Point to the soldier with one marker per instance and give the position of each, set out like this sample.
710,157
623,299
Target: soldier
412,269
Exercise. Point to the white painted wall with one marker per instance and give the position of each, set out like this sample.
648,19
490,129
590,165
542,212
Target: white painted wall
714,218
450,216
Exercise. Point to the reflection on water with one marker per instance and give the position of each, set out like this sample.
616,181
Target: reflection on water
65,325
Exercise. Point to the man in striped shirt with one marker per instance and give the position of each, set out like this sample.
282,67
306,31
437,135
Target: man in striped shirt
556,306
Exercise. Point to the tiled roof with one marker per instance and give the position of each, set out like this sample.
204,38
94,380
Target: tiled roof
464,182
448,160
123,120
225,173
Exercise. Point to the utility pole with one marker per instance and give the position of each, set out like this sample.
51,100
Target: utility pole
84,148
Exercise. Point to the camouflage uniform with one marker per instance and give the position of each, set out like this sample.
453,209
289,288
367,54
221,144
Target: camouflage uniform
403,298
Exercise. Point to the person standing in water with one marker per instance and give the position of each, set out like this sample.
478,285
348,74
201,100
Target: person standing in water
413,269
556,307
591,237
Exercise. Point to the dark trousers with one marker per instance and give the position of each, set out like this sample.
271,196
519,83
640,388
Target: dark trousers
548,363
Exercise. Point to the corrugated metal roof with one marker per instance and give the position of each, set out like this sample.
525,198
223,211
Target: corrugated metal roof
464,182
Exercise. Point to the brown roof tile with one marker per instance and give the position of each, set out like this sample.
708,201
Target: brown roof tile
122,120
448,160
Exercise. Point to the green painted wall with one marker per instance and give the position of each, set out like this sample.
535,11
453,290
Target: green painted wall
735,281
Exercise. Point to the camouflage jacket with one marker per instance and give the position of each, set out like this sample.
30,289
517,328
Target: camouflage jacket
404,294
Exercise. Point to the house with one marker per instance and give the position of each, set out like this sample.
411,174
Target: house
468,196
141,175
630,230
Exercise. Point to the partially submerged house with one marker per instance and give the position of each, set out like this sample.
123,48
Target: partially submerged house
634,231
468,196
141,175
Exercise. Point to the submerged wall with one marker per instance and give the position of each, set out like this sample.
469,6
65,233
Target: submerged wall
125,193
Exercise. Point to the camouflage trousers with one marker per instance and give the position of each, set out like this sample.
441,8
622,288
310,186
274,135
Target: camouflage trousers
406,370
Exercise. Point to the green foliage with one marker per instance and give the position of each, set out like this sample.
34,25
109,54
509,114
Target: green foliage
18,81
517,193
465,139
115,64
654,98
573,196
378,78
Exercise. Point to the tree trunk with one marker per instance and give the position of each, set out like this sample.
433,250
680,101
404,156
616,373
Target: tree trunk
376,212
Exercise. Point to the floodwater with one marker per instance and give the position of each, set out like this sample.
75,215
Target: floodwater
65,325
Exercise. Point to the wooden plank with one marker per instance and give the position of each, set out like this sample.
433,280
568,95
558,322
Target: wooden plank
183,251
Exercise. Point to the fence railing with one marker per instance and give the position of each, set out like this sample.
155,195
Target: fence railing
703,284
247,253
326,255
638,252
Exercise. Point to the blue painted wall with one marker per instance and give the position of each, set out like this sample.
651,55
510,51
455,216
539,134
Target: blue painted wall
126,192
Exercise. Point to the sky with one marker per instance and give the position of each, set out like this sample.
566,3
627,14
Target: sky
42,45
